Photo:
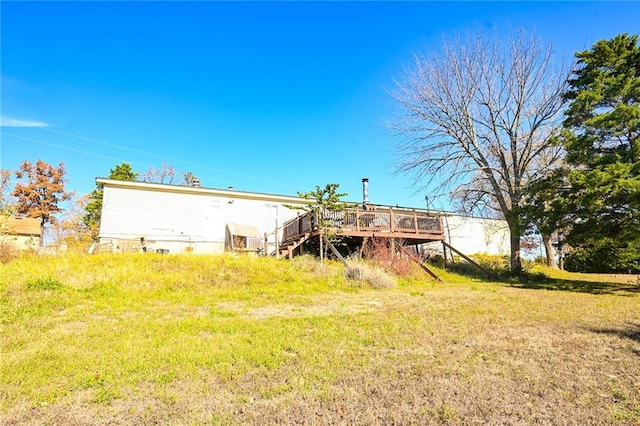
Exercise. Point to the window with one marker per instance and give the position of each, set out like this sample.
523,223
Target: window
272,210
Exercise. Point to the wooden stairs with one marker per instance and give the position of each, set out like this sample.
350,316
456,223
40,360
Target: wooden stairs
289,249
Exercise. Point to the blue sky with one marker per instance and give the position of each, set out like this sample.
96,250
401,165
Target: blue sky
266,97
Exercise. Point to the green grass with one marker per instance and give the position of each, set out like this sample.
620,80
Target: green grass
147,339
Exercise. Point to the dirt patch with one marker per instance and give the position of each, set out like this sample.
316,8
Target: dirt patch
319,306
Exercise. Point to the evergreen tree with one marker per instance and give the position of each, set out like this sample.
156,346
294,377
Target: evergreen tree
93,210
602,201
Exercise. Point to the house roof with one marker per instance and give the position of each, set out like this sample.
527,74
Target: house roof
20,226
285,199
196,190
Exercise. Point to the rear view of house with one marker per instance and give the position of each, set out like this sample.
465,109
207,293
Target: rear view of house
151,216
139,216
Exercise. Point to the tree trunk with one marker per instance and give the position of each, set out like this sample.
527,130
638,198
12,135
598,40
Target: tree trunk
550,251
514,233
42,223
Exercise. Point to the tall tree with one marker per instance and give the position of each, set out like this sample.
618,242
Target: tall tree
481,113
602,139
41,192
93,209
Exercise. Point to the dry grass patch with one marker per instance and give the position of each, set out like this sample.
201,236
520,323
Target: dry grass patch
225,340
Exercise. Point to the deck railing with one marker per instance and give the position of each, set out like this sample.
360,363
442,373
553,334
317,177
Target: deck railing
296,227
360,220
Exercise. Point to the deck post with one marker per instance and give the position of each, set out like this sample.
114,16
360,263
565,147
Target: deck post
419,262
335,251
392,221
444,253
471,261
265,252
277,241
415,221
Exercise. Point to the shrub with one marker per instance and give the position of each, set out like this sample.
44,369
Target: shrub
494,263
373,276
604,255
379,252
8,251
436,260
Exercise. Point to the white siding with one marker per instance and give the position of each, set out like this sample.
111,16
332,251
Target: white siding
182,221
473,235
21,242
194,219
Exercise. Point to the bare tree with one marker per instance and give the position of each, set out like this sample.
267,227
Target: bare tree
70,228
164,174
189,179
6,206
477,117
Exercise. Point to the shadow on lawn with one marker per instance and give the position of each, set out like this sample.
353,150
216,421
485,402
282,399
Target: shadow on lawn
631,331
540,281
581,286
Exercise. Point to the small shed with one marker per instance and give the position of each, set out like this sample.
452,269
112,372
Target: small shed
244,238
24,232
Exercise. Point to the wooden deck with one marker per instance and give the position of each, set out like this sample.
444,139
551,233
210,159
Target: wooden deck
415,227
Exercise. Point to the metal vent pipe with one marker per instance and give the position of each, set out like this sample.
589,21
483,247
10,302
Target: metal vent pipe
365,191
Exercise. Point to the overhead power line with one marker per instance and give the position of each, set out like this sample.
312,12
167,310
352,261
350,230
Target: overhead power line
163,157
62,147
80,151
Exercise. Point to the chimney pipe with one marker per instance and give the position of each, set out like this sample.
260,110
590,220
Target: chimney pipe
365,191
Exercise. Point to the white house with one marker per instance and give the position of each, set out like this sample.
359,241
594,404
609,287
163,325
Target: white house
188,219
139,215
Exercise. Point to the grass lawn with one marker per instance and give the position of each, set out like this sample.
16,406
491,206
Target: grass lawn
150,339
